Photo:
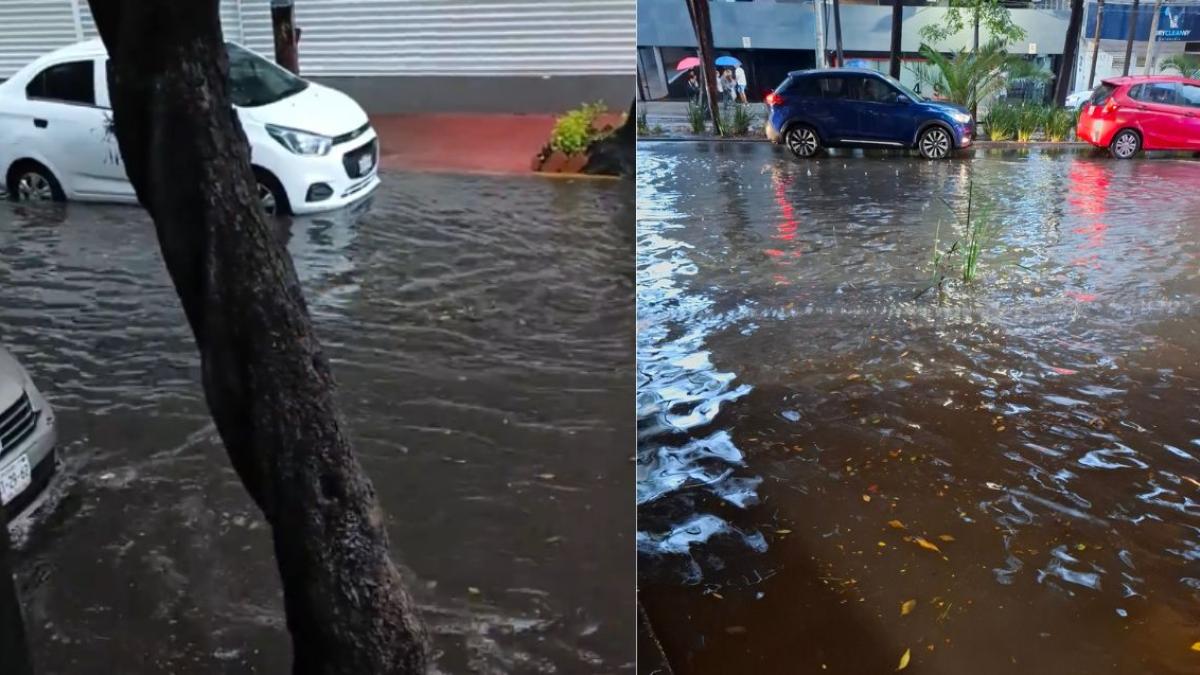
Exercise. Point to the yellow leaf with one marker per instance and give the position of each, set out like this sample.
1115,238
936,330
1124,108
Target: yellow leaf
925,543
1196,646
866,498
904,659
946,537
783,531
897,524
908,606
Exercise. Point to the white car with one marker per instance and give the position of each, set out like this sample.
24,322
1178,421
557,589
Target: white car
312,147
27,439
1075,101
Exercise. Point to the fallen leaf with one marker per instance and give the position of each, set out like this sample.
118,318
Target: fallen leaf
473,591
546,476
907,606
882,544
897,524
925,543
853,376
866,498
904,659
1196,646
946,537
783,531
735,630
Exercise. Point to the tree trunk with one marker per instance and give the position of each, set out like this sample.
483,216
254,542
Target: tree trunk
1152,39
1129,38
702,24
14,651
1066,67
613,155
287,36
974,86
1096,43
837,33
268,385
897,20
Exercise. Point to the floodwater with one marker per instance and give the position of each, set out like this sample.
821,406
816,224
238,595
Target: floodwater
480,332
821,442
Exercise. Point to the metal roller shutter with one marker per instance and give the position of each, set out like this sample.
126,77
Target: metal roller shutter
30,28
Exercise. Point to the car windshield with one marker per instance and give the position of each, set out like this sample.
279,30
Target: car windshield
255,81
912,95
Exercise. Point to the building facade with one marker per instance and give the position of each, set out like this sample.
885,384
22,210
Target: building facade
772,37
407,55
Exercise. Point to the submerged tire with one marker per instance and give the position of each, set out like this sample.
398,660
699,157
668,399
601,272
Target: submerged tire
32,182
935,143
802,141
1125,144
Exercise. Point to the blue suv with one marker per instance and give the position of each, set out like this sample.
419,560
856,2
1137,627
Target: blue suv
848,107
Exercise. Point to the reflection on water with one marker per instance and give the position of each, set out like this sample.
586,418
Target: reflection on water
822,442
479,332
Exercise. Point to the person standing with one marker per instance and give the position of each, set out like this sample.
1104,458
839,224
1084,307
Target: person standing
693,87
729,86
739,76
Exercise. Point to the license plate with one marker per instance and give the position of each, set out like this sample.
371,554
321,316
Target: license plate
365,163
14,478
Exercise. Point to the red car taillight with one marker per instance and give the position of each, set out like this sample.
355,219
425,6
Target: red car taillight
773,99
1110,106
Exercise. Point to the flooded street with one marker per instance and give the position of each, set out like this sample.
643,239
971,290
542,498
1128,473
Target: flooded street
480,331
839,465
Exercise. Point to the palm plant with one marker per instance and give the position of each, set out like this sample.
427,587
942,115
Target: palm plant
1188,65
968,78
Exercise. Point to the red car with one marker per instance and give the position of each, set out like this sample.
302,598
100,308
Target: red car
1156,112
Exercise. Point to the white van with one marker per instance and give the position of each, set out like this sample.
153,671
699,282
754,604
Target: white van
312,147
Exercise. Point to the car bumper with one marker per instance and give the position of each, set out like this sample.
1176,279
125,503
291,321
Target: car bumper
38,450
773,134
964,135
1095,131
339,174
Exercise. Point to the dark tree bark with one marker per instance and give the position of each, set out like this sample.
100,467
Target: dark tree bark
613,155
1096,43
1129,38
1066,67
268,385
702,24
897,22
14,651
287,36
837,33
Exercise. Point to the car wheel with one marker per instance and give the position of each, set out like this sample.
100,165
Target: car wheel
802,141
271,195
935,143
1125,144
32,182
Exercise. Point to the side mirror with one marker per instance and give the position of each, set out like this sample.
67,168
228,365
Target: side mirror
902,99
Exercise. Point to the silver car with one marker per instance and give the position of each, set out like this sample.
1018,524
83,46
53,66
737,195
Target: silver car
27,438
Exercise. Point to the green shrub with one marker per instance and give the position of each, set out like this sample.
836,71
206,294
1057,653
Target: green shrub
576,130
696,117
643,124
1030,119
1002,122
1059,124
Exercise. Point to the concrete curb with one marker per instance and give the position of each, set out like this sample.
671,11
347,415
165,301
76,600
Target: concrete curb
984,145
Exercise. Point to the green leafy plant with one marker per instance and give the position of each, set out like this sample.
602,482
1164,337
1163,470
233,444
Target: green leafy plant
1030,119
736,119
963,256
697,118
575,131
970,78
643,124
991,16
1188,65
1059,123
1002,122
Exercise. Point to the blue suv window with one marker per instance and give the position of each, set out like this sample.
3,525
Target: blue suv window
801,87
834,87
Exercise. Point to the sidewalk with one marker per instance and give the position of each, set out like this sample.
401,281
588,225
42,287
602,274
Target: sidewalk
464,143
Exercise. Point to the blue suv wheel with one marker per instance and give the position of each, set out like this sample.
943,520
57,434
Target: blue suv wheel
802,141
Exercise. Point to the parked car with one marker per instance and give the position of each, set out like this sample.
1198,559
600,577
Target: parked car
27,438
849,107
1134,113
1075,101
312,147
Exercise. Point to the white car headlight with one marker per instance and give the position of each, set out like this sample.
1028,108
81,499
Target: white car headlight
300,142
960,117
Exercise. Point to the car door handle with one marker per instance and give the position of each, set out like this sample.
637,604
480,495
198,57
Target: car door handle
40,123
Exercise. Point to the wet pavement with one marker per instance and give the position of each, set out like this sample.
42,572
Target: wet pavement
480,331
844,470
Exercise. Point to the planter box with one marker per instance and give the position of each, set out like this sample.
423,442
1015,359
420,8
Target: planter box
553,161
